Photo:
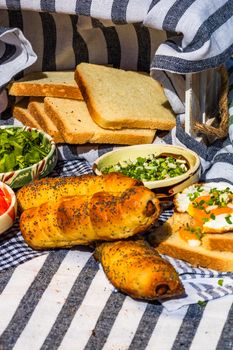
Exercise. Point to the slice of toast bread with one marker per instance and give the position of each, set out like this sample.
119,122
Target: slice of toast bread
57,84
119,99
37,110
76,125
215,252
21,113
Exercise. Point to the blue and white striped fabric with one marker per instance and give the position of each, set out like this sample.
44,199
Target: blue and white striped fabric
165,36
63,301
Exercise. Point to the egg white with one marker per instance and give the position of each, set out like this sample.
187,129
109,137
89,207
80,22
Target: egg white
182,201
219,224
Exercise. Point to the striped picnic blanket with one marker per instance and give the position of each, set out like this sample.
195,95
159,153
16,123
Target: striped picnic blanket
62,300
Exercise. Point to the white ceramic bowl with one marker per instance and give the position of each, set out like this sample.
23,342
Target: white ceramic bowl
18,178
166,187
8,217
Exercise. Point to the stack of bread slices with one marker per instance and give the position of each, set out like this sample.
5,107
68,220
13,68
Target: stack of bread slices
93,104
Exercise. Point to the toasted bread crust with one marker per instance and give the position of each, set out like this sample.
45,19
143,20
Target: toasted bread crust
197,258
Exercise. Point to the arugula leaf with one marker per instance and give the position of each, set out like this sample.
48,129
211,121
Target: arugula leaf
20,148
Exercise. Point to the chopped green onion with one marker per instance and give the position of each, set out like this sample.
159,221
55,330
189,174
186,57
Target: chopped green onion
202,303
228,219
150,168
212,216
220,282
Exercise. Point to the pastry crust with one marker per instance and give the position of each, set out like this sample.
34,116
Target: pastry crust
135,268
53,189
83,219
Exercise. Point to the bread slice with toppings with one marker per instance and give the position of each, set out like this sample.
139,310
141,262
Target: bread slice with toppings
214,252
201,229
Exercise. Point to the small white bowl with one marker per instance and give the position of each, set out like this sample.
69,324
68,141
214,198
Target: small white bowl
8,217
166,187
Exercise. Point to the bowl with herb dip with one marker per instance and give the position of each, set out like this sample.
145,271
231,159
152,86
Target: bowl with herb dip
25,154
166,169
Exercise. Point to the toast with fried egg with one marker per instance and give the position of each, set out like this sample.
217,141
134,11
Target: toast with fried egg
201,229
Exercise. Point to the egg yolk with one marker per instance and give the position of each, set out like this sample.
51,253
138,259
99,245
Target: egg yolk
205,208
202,209
188,233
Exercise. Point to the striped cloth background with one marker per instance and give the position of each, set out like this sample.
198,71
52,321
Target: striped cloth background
165,36
62,299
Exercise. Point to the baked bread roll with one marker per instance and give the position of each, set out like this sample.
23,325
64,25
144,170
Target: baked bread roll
83,219
135,268
53,189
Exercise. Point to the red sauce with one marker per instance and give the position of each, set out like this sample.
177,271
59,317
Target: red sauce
5,201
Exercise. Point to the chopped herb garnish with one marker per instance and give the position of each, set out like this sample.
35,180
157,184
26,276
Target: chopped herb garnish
202,303
220,282
199,205
193,196
228,219
205,220
212,216
150,168
195,230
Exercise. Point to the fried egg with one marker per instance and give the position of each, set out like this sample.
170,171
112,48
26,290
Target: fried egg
209,204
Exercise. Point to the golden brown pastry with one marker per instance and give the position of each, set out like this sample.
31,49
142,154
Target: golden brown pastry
83,219
46,189
136,269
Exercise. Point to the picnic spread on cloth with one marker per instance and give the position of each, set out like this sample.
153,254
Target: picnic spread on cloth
62,298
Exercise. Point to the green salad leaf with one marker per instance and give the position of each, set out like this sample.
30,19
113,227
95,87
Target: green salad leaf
20,148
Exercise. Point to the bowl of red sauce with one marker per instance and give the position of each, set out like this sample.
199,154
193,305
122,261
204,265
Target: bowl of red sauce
8,207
